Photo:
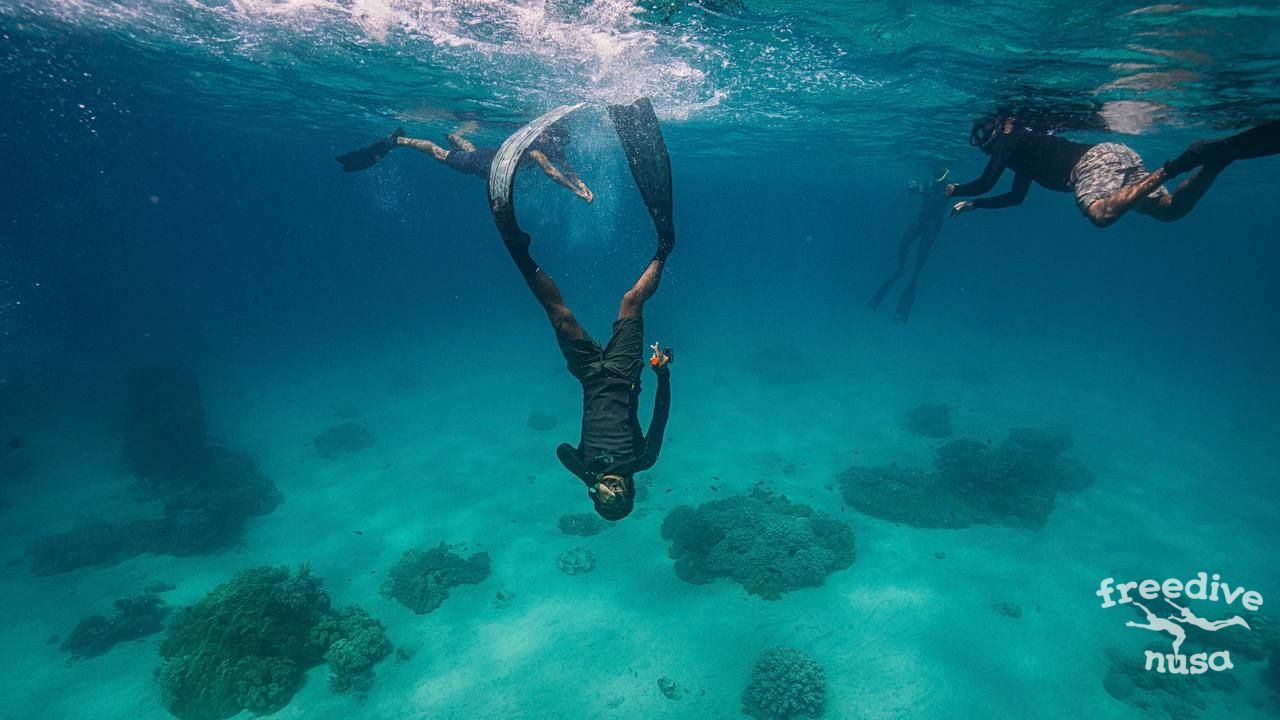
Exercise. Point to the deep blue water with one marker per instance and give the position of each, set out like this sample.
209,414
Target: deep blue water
170,198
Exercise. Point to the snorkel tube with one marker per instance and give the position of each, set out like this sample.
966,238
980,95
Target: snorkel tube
984,131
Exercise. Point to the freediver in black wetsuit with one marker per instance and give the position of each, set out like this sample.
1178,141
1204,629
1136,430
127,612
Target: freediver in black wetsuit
612,447
925,228
464,157
1108,179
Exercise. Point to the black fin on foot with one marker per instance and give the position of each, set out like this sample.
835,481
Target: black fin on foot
646,150
1256,142
369,155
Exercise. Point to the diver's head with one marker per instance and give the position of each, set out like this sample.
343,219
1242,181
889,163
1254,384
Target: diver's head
613,496
986,131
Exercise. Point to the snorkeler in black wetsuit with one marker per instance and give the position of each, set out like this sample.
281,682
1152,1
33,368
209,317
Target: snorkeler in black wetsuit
612,447
547,151
1108,179
926,226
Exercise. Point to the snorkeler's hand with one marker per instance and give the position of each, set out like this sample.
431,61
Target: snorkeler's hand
962,206
584,192
661,358
949,190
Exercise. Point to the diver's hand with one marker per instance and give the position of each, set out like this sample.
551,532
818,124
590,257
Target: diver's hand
661,359
960,207
585,193
949,190
606,493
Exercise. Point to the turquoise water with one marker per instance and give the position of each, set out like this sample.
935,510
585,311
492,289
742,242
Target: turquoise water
170,201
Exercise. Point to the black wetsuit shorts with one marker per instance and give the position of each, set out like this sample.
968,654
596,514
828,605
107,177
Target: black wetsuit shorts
472,162
621,358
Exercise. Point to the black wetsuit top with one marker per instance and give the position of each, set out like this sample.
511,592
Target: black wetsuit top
1046,159
611,439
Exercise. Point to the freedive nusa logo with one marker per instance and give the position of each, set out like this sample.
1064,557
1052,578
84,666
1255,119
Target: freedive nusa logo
1201,587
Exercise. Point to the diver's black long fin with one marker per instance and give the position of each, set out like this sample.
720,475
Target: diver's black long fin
369,155
502,172
1255,142
646,150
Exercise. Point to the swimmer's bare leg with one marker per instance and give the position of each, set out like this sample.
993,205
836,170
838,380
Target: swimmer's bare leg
460,142
458,138
548,295
1184,199
1105,211
634,299
424,146
544,289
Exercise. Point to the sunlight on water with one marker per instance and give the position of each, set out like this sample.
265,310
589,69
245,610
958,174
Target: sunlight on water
823,65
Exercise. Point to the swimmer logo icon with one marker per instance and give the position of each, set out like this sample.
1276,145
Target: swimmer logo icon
1202,587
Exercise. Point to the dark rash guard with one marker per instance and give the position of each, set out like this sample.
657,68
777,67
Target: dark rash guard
1045,159
611,439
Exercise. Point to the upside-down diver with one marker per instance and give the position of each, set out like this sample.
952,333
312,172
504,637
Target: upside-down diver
612,447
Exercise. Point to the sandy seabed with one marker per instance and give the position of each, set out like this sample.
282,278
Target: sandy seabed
901,633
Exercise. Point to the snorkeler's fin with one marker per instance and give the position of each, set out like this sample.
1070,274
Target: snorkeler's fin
885,287
1257,142
642,141
905,301
369,155
502,172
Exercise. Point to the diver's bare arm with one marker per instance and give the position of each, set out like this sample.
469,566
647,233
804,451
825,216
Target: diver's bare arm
573,184
425,146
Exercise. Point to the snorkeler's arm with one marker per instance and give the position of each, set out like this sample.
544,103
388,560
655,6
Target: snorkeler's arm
568,179
984,183
658,425
1015,196
571,459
